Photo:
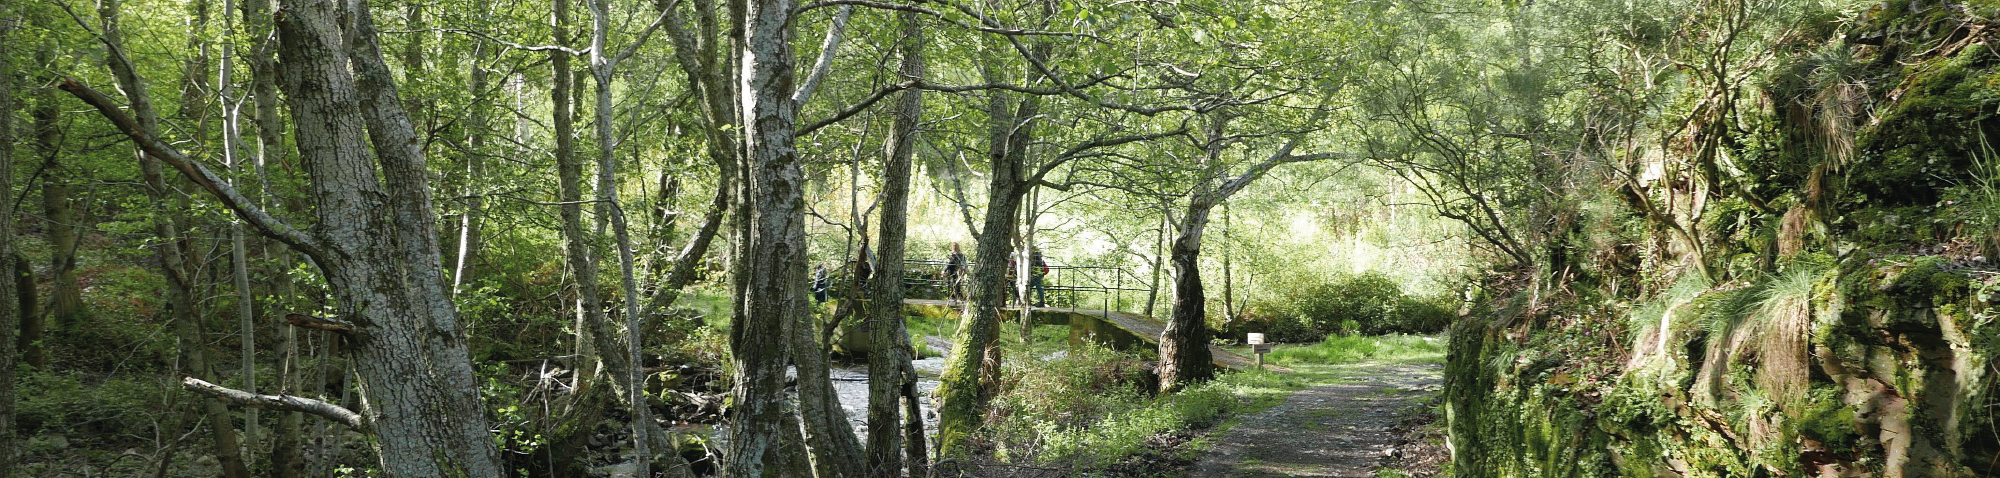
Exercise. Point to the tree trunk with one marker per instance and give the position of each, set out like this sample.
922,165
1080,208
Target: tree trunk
771,288
698,56
1228,276
287,446
9,316
239,257
1159,264
889,359
1184,355
469,220
597,341
66,294
387,276
601,68
968,380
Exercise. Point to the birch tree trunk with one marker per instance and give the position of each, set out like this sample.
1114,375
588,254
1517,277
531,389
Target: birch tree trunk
239,257
469,221
1158,263
598,344
1184,355
889,366
700,57
771,291
601,68
386,276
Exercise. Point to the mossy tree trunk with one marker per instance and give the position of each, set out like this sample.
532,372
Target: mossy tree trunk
889,366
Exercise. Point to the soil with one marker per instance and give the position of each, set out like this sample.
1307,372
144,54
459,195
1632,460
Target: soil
1349,429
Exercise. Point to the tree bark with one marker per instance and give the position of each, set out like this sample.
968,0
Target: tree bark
598,343
968,380
1184,355
1159,242
413,257
239,258
602,66
889,366
773,302
10,316
699,57
469,218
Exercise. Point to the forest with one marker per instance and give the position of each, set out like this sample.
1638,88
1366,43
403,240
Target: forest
999,238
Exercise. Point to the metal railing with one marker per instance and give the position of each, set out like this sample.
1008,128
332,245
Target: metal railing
1067,285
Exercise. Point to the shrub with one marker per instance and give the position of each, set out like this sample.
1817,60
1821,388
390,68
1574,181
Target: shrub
1090,406
1369,303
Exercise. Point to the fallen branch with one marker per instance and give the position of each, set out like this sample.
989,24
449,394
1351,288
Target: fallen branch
318,323
277,402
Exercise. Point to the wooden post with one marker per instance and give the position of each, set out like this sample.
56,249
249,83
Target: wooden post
1257,345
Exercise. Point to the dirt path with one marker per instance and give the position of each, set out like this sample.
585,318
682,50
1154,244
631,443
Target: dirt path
1341,430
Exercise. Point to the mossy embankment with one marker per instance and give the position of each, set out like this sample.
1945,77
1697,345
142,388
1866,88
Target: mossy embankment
1882,367
1848,327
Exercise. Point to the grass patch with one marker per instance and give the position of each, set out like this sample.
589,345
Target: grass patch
1348,349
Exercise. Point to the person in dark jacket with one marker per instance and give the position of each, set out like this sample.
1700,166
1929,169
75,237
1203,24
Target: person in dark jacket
1036,269
819,283
954,274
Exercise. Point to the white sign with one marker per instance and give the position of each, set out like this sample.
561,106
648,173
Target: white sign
1256,339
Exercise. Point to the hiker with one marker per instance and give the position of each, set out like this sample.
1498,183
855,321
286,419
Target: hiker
819,283
954,274
1037,269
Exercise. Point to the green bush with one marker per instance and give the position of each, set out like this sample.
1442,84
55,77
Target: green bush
1369,303
70,404
1090,406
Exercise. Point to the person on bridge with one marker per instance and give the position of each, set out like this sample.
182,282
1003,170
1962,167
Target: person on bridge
1038,269
954,274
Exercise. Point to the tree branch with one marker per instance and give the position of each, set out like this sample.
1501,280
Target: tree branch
242,206
1101,142
987,25
319,323
920,84
513,45
827,48
287,403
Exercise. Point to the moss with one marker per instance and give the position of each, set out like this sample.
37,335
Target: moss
1831,423
1922,144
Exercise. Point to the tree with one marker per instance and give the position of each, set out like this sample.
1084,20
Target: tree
1184,354
770,297
374,242
889,368
10,316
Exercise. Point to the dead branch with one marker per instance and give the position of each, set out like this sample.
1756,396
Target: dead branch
287,403
318,323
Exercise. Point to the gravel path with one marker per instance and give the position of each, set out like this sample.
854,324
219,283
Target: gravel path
1341,430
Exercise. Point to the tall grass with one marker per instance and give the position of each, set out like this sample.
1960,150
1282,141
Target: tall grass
1783,319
